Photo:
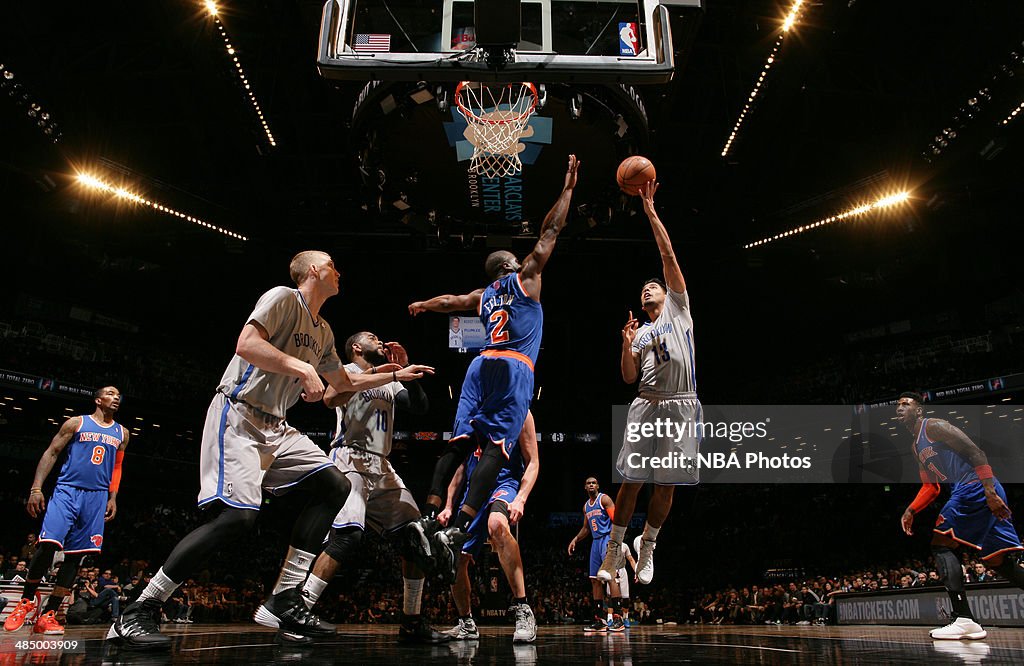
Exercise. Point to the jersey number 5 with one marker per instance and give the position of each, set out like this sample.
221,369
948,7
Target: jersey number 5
97,455
498,333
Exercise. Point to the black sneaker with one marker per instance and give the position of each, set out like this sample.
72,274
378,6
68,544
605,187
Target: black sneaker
447,545
599,625
137,627
287,611
417,630
288,638
417,536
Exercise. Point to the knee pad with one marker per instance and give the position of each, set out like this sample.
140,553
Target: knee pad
342,542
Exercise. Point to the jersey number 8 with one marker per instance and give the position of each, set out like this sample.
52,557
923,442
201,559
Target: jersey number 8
97,455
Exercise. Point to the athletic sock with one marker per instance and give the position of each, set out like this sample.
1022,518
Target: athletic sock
651,532
294,570
160,587
618,533
312,589
412,595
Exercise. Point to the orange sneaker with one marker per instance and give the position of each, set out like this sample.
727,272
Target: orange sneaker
17,617
47,624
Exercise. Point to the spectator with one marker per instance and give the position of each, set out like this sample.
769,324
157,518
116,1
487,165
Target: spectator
29,549
18,572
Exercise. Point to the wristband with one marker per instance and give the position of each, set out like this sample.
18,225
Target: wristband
983,472
394,375
373,370
35,490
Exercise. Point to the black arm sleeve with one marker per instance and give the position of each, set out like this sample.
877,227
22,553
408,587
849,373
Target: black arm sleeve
413,399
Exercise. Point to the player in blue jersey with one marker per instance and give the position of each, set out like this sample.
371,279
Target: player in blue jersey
598,511
975,516
498,387
84,499
504,508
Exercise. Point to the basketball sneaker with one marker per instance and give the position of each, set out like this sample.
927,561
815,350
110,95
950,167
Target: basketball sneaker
465,630
617,624
598,626
417,630
448,544
960,628
287,611
290,639
17,617
417,535
47,624
526,625
644,559
137,626
613,561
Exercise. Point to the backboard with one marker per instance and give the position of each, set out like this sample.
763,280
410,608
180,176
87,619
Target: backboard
562,41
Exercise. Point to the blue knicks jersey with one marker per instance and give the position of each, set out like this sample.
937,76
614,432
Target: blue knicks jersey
91,455
945,464
513,320
598,520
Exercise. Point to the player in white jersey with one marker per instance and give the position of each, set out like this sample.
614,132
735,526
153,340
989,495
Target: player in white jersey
379,498
660,355
247,446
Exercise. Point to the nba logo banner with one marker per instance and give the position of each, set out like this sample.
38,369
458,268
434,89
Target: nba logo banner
629,45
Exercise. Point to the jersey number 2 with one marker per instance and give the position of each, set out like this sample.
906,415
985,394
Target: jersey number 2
498,333
97,455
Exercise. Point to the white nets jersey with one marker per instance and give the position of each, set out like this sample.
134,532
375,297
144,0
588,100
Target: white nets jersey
365,422
665,347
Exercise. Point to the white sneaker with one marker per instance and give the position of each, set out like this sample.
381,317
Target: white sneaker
465,630
958,629
526,625
613,561
644,559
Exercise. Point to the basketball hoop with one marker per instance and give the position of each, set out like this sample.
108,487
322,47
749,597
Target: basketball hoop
497,119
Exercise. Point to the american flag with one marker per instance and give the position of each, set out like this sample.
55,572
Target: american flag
372,43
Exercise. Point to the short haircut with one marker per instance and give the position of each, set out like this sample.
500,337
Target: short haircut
656,280
353,339
913,395
299,266
456,319
495,262
99,392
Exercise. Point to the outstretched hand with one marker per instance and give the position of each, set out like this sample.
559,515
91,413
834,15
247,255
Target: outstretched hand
629,330
570,174
647,195
417,308
395,353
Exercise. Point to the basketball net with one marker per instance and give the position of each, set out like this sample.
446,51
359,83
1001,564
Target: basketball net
497,118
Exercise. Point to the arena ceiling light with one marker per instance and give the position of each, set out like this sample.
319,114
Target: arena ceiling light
96,183
42,118
748,106
214,12
883,202
1013,114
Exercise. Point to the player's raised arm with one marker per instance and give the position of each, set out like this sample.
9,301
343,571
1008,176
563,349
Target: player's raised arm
956,439
629,362
36,501
344,383
448,303
553,224
673,274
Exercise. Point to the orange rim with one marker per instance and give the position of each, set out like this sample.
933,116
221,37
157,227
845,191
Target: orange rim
487,121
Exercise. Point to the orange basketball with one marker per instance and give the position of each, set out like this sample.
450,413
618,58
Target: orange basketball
634,173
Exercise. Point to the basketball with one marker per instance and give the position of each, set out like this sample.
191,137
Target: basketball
633,173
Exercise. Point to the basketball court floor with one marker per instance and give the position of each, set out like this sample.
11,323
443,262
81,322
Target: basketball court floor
365,644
